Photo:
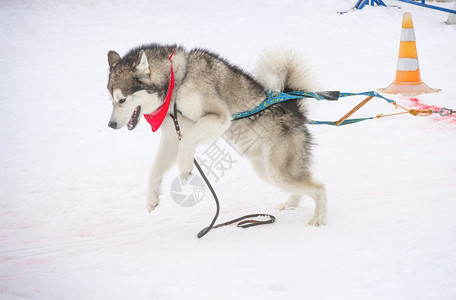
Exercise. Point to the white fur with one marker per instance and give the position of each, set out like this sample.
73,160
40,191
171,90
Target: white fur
273,63
149,102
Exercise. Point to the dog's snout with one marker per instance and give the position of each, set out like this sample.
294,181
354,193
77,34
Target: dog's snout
112,124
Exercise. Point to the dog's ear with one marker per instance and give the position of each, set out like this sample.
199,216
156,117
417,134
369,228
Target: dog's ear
113,58
142,68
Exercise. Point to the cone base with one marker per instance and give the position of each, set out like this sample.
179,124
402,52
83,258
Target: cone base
408,89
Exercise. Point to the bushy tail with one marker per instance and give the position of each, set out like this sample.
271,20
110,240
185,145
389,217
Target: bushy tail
283,69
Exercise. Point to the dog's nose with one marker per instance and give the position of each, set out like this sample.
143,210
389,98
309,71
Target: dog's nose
112,124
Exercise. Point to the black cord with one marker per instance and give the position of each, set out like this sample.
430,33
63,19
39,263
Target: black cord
243,224
217,204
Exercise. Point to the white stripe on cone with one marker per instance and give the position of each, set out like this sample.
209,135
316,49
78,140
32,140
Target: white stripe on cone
407,64
408,35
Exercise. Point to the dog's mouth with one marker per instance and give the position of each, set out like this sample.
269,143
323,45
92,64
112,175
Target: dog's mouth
134,118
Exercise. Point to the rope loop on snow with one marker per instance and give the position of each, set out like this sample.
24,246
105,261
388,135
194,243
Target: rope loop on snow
413,112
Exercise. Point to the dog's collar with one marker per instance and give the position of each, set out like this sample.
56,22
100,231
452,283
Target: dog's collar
156,118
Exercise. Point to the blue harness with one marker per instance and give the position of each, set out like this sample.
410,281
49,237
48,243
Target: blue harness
277,97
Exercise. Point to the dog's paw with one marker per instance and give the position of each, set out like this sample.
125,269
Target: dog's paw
318,221
152,200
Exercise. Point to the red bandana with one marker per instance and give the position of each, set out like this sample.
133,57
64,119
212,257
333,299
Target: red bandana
156,118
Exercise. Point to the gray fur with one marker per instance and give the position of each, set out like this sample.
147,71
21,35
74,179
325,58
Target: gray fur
208,90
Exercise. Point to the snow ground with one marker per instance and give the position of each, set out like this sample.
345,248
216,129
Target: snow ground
73,223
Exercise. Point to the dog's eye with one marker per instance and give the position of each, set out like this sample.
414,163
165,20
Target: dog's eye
122,100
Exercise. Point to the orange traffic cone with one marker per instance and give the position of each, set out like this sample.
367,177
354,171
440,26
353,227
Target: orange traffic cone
408,80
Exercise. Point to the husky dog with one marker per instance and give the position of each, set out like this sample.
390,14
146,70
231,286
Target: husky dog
208,91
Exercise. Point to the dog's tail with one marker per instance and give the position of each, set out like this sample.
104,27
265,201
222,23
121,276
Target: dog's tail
284,70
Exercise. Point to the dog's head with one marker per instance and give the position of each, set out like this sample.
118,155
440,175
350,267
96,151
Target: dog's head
131,89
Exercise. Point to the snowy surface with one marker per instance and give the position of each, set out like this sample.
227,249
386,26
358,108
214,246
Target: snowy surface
73,223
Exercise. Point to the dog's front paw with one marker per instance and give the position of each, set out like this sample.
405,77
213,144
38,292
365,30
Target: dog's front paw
152,199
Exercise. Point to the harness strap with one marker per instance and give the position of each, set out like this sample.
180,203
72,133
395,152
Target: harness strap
273,97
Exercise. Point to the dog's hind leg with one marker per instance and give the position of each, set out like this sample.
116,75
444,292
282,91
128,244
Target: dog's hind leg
314,190
317,191
288,167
